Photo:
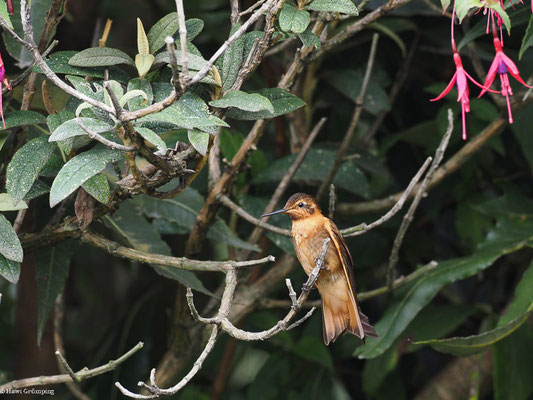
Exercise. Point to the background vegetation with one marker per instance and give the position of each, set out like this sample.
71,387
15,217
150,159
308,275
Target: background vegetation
466,254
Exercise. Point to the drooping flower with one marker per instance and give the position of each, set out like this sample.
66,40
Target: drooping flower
461,79
502,65
10,8
3,79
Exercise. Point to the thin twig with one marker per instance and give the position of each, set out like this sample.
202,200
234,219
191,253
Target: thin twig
118,250
183,43
235,15
360,229
103,140
169,40
408,218
251,8
363,296
82,375
359,103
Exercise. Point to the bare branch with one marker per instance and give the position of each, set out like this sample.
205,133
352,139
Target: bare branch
183,43
359,103
169,40
360,229
118,250
251,8
407,219
82,375
103,140
235,15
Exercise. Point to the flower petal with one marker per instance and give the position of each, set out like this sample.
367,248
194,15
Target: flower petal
447,89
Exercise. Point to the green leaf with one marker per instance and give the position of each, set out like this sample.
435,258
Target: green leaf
445,4
152,137
10,246
194,62
100,57
92,89
5,14
166,26
463,6
131,95
25,166
282,101
143,63
38,12
22,118
376,370
523,298
78,170
7,203
309,39
142,41
51,271
183,210
136,103
199,140
142,235
10,270
513,366
71,128
244,101
314,169
38,189
189,112
98,187
231,60
466,346
340,6
506,237
349,83
194,27
312,349
55,120
527,40
116,88
293,20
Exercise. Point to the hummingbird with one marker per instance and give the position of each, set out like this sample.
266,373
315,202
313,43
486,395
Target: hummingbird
336,285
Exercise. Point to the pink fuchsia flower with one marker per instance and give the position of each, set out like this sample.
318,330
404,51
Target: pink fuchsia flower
502,65
461,79
10,8
3,79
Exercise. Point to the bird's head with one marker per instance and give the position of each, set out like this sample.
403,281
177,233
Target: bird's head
299,205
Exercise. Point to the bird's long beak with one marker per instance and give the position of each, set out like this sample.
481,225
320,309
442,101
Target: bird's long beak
274,212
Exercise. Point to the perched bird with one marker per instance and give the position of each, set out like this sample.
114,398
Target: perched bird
336,285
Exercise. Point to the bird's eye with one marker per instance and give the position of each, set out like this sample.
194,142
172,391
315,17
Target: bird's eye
301,204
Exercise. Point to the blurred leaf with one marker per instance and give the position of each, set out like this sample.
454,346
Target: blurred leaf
527,40
243,101
37,19
385,30
5,14
231,60
136,103
71,128
522,129
314,169
51,271
7,203
312,349
10,270
471,224
465,346
349,83
25,166
78,170
230,142
293,20
511,204
506,237
199,140
38,189
22,118
513,366
100,57
376,369
523,299
98,187
270,381
142,235
283,102
341,6
435,322
183,210
10,246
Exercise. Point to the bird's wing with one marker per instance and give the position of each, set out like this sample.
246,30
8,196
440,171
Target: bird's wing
347,264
